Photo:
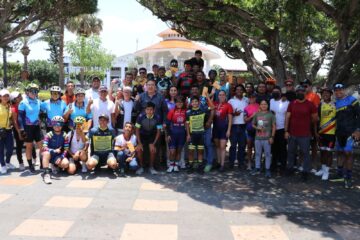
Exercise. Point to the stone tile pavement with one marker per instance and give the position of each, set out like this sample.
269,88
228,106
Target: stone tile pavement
232,205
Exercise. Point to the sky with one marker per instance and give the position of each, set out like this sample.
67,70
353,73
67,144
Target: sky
127,27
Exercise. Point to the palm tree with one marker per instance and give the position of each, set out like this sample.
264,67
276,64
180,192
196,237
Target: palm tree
84,26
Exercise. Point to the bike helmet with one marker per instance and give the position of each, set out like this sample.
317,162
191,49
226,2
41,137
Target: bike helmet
32,86
57,121
55,89
79,91
79,120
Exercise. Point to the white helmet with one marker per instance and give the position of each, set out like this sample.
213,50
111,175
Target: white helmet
55,89
57,121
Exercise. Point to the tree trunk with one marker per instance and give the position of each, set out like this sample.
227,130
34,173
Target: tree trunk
61,55
5,80
299,67
82,75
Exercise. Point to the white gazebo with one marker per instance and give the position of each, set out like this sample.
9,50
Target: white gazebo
173,46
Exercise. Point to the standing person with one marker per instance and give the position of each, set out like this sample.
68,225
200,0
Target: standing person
170,101
93,92
347,129
261,93
238,128
140,81
212,79
125,149
69,96
224,85
185,79
290,90
176,133
53,106
148,127
265,126
270,85
155,70
78,146
249,113
195,122
222,127
327,127
6,137
29,122
203,84
279,105
249,89
197,59
298,133
124,110
76,109
101,106
101,145
163,83
55,147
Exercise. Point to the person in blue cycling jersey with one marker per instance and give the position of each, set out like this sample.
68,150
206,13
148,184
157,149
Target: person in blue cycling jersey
77,108
55,147
347,130
53,106
29,122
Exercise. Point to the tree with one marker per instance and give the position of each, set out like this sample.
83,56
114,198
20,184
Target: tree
295,35
84,26
89,55
44,71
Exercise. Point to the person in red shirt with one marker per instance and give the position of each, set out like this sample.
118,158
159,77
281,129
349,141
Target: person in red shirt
185,80
69,96
300,117
222,126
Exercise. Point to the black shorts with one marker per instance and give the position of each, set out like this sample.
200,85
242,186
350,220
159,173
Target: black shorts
33,133
327,142
197,140
147,139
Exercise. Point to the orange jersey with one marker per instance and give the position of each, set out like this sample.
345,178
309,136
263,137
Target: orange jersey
314,98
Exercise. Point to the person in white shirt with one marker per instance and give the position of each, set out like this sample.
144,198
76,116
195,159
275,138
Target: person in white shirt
93,92
101,106
279,105
124,110
238,129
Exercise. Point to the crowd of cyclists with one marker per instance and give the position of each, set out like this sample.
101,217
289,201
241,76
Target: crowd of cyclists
182,120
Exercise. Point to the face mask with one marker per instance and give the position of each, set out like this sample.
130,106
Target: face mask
300,96
276,95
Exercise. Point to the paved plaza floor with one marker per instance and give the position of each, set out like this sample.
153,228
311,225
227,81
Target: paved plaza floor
232,205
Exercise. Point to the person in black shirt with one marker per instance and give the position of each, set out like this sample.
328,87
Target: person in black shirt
197,60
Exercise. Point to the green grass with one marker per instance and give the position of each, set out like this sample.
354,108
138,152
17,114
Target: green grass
44,95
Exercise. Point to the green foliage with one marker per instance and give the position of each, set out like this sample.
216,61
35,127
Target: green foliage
45,72
52,37
13,72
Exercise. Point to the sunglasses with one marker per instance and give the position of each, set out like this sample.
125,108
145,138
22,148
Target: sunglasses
289,85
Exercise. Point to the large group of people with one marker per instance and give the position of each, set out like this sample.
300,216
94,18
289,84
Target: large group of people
183,121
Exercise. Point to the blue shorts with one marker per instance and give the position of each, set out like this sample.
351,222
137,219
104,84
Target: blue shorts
55,156
219,132
178,137
344,143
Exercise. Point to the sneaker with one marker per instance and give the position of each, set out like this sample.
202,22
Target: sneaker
249,168
347,183
170,168
313,171
256,171
84,168
47,178
207,168
222,169
140,171
320,172
153,171
304,176
32,169
268,173
10,166
300,169
122,172
337,178
176,168
325,176
3,170
21,167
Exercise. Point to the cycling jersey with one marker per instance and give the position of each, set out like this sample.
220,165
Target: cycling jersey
77,111
176,119
170,105
196,118
327,115
148,125
52,108
53,141
29,110
101,140
221,114
202,102
347,115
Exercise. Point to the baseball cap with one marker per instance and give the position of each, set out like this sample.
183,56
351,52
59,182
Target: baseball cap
4,92
289,80
103,88
14,95
306,82
104,116
300,88
338,86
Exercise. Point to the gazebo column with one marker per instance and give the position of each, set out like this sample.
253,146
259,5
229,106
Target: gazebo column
175,54
151,60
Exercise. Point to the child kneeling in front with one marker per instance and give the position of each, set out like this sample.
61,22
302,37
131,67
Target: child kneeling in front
55,146
79,144
125,148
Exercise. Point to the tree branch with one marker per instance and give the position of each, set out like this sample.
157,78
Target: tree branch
322,6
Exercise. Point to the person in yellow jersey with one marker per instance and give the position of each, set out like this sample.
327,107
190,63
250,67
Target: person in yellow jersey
6,137
327,127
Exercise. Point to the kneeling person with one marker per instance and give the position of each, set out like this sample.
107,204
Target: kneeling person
125,148
55,146
79,144
101,146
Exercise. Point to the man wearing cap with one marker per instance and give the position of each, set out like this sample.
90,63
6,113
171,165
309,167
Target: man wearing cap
93,92
347,129
310,95
301,115
290,90
101,147
101,106
270,85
